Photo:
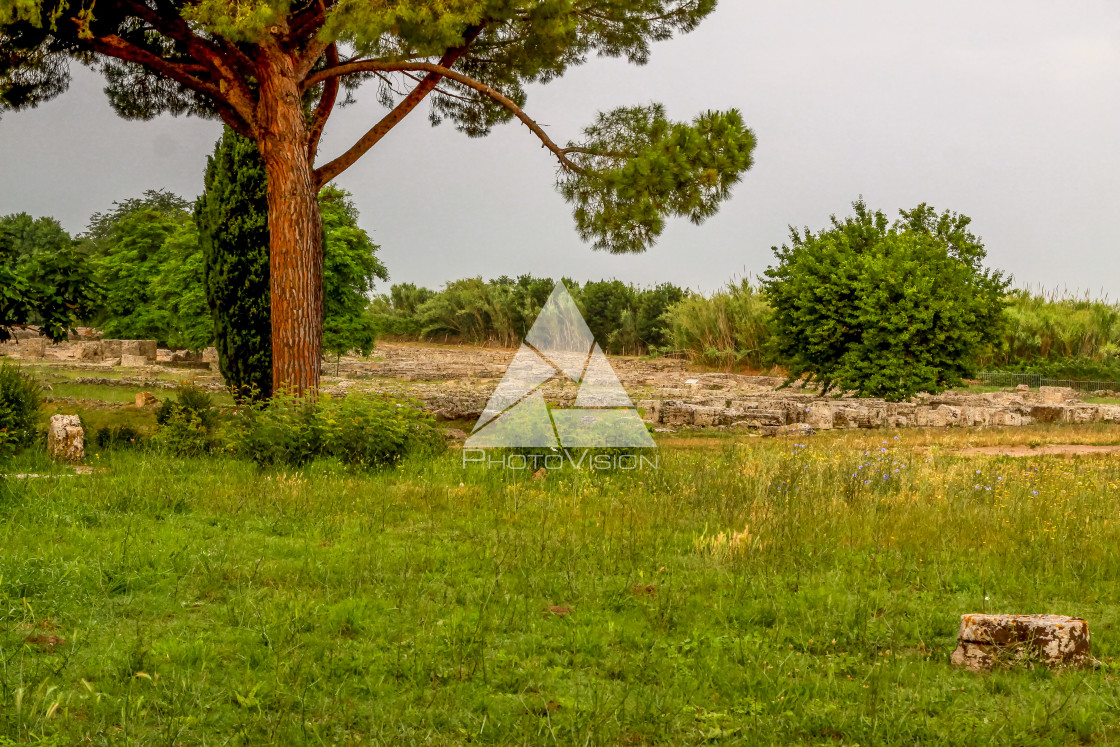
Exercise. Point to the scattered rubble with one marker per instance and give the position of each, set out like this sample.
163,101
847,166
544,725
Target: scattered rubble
146,399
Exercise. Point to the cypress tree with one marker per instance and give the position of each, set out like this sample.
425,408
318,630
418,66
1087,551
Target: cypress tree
232,216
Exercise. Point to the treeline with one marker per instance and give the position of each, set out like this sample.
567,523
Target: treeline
1057,335
141,269
625,319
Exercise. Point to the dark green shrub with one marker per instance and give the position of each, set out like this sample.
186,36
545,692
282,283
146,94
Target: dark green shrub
884,309
366,432
184,434
187,423
285,430
372,432
118,436
190,401
20,398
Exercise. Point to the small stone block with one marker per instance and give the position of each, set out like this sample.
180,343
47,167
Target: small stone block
66,439
1052,640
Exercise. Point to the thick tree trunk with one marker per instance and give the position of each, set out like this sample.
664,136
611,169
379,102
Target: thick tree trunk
296,228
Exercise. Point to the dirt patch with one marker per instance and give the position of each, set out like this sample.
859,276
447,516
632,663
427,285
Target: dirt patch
1067,450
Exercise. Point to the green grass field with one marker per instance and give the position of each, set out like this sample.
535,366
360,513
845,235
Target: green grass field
748,591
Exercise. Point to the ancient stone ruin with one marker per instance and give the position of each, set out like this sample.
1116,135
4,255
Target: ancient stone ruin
87,346
775,411
66,439
986,641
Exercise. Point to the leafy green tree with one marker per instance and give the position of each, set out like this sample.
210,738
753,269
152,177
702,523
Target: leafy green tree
885,310
652,320
44,278
36,257
232,217
350,269
147,259
273,72
602,304
395,313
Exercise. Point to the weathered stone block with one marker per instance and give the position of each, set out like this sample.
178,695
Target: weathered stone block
651,410
1055,395
819,416
111,348
1109,413
146,399
709,416
757,418
90,351
133,361
941,416
144,348
676,413
32,347
1048,413
859,416
1005,417
1082,414
66,439
984,641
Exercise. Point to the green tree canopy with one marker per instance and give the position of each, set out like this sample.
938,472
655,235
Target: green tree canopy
885,310
44,279
274,72
350,269
147,258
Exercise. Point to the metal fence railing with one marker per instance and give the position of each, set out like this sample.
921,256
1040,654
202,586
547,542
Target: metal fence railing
997,378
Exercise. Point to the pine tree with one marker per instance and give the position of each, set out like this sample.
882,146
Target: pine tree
274,73
232,217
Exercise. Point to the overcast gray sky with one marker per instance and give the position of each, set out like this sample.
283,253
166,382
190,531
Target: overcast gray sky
1007,111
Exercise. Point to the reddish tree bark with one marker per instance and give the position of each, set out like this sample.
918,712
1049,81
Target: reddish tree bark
296,228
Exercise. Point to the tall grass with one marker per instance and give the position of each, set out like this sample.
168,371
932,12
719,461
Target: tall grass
752,593
1049,325
727,330
1048,332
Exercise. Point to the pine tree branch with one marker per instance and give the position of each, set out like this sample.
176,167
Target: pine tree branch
435,73
332,169
229,83
119,49
324,108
